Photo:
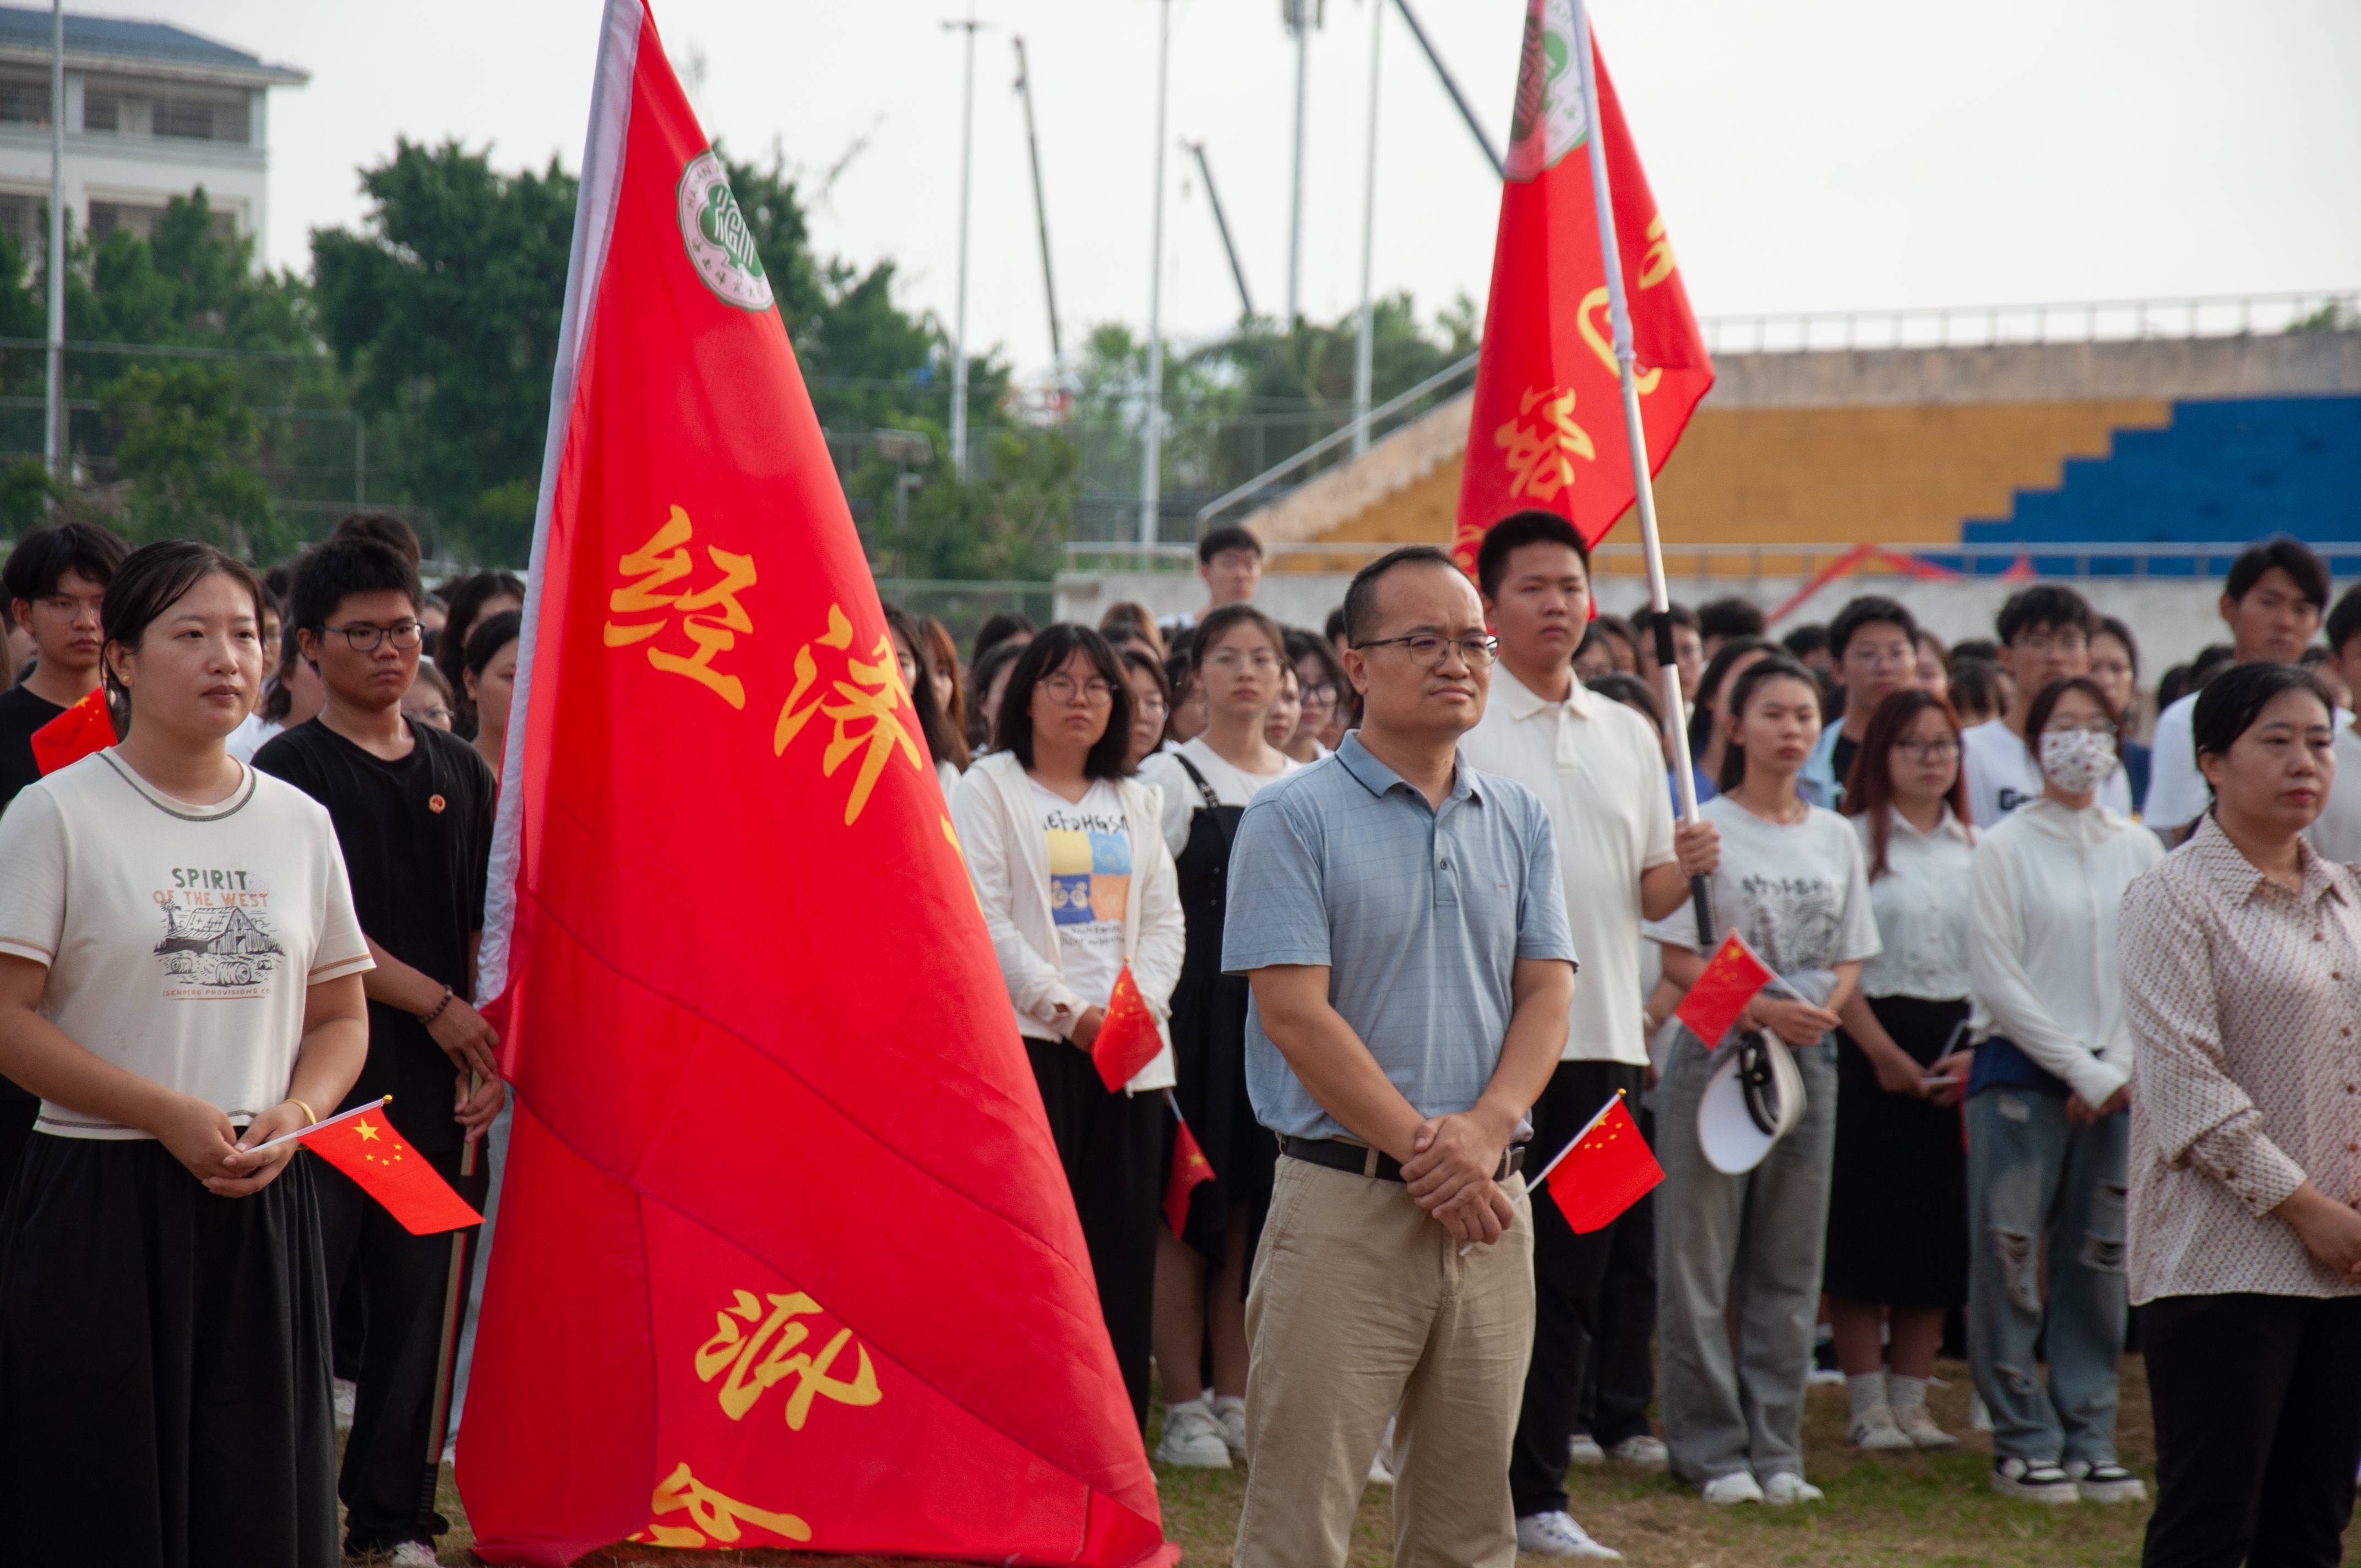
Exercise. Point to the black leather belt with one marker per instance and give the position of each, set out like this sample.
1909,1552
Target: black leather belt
1338,1155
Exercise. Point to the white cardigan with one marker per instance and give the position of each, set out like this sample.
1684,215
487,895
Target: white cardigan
2041,939
1008,860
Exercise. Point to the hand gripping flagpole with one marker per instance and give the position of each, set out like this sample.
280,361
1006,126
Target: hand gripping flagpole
1618,311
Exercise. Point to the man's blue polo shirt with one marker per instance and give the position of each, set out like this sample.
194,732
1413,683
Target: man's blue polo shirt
1419,914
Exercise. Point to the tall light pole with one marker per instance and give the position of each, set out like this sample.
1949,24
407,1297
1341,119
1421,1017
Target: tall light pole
53,445
1300,14
1151,457
1365,350
967,173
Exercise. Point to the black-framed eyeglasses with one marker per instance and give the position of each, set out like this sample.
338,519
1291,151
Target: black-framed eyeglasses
1426,650
405,634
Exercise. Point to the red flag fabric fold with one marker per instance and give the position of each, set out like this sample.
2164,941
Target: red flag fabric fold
85,728
1729,981
1547,430
782,1208
368,1149
1126,1040
1608,1169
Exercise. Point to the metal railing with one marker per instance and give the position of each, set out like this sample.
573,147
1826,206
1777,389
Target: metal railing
1983,327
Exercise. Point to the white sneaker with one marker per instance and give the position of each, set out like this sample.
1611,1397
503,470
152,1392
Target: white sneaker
1556,1535
342,1393
1192,1437
1978,1413
1737,1486
1381,1467
413,1554
1786,1489
1874,1431
1585,1451
2105,1482
2032,1481
1920,1429
1231,1411
1642,1452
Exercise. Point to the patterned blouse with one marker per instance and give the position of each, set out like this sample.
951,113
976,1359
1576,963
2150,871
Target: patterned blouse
2243,999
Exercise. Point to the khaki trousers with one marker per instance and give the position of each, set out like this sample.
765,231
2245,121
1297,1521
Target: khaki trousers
1362,1308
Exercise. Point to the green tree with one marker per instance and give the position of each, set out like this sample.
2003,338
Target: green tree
184,454
1009,523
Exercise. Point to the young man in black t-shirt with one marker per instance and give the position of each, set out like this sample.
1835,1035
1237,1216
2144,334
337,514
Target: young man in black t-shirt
413,808
55,580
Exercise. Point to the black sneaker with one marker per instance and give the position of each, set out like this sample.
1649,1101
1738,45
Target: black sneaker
2105,1482
2032,1480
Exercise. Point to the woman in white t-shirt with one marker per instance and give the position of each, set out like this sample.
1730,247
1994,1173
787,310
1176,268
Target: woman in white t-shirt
1236,655
180,982
1792,882
1074,881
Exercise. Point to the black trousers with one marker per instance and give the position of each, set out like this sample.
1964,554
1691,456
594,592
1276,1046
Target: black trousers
2257,1406
1620,1382
18,1112
398,1281
1572,1302
1112,1147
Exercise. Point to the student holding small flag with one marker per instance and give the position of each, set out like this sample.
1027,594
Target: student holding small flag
1792,882
181,981
413,808
1237,656
1083,905
1596,767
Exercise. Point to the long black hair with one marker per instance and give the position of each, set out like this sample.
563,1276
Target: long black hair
944,744
1716,671
1048,651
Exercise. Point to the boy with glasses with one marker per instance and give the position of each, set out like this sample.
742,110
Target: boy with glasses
1874,645
2045,636
412,809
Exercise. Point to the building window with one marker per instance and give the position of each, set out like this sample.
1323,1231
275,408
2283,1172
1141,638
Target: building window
21,220
202,116
139,217
102,110
131,107
24,99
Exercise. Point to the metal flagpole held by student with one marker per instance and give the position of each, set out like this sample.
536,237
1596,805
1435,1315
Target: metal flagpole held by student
1618,311
447,1347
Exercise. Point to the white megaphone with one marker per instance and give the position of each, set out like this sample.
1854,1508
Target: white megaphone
1755,1098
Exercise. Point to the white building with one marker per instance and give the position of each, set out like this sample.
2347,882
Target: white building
151,112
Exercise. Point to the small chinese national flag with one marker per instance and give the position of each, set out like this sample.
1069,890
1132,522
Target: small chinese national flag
1189,1168
81,729
1722,992
1128,1039
1608,1169
366,1148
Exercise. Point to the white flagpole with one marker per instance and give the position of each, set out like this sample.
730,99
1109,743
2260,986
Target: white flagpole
1643,492
1574,1142
322,1122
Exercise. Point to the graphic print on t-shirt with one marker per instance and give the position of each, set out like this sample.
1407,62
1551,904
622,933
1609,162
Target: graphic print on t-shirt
1090,869
1786,916
217,943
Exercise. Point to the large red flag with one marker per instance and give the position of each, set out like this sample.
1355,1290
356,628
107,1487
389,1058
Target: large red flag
785,1255
1547,432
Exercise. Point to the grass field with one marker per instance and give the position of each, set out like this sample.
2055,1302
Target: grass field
1930,1512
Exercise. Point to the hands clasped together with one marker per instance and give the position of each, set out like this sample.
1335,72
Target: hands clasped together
1450,1174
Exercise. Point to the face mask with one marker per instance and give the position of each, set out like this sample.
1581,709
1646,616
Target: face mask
2077,761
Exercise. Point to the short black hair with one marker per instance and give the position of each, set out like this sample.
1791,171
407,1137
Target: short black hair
1716,671
1050,649
467,597
492,633
997,629
1229,536
1516,530
1300,645
329,575
1975,683
2344,620
2044,607
1804,641
2036,717
2113,626
1870,610
1333,627
46,555
1632,693
385,528
981,674
1730,617
2233,699
1216,625
2297,560
1982,648
1361,596
150,580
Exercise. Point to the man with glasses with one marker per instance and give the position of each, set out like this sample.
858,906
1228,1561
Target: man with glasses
2045,636
1400,919
1874,647
412,809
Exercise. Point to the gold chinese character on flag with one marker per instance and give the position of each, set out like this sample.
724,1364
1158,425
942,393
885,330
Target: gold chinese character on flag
713,1518
1540,455
866,714
710,617
768,1355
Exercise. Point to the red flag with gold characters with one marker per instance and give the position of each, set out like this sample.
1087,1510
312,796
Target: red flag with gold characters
1126,1040
1728,981
1190,1170
81,729
1547,431
1603,1172
363,1144
785,1255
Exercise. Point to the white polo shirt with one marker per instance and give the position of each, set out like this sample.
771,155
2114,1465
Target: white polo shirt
1599,771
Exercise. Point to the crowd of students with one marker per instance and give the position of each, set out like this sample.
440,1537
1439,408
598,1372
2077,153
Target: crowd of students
2052,1065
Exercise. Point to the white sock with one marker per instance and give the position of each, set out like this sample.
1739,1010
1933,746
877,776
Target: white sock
1865,1392
1905,1393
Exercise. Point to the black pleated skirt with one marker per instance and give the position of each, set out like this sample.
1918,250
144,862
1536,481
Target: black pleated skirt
163,1366
1898,1191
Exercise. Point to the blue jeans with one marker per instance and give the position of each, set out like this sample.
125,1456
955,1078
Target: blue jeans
1758,1238
2045,1197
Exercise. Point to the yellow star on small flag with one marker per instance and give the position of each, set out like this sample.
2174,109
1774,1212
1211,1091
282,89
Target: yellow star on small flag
368,1132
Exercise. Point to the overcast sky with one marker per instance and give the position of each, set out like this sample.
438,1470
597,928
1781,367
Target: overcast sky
1816,155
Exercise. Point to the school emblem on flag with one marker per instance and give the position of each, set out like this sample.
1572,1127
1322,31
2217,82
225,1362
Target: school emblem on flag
720,246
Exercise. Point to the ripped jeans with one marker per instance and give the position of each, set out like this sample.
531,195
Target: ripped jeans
2033,1174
